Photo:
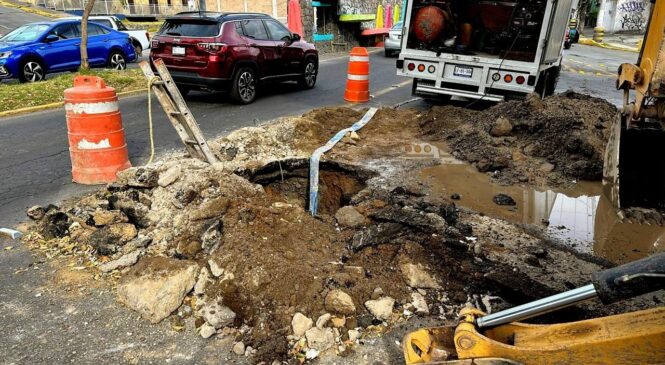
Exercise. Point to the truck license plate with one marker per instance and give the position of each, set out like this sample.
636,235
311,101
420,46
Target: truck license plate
463,71
178,51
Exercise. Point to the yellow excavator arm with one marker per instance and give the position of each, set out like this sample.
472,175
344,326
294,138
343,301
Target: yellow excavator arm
634,170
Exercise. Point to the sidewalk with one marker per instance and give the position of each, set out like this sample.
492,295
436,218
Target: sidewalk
620,41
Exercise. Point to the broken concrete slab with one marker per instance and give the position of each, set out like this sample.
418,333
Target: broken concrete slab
382,308
337,301
156,286
122,262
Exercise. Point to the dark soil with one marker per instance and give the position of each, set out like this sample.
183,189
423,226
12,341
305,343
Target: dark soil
552,141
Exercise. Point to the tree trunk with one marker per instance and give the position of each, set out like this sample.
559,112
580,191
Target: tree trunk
84,34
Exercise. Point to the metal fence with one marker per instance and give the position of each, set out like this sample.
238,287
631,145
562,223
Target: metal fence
125,7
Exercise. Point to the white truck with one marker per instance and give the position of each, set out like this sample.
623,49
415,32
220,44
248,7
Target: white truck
479,49
140,38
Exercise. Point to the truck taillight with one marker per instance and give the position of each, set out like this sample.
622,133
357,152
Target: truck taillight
508,78
411,66
421,67
519,79
154,43
212,47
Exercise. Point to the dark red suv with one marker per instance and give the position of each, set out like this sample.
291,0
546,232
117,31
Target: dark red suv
233,51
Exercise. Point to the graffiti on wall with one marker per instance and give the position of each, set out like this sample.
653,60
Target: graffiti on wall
365,7
632,15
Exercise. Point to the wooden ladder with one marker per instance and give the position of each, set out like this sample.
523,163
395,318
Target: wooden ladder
177,111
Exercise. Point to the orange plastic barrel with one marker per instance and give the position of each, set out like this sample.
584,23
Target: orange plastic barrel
97,144
357,83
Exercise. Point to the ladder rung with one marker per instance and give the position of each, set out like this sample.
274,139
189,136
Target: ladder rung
192,142
175,112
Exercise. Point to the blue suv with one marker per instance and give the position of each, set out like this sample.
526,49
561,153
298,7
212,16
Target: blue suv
31,51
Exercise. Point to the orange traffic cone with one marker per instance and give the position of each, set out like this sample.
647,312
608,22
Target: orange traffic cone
357,83
96,138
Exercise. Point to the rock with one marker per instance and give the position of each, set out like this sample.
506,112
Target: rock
138,177
353,335
107,217
417,277
311,354
124,231
503,199
456,196
169,176
188,248
546,167
156,286
338,322
354,136
249,351
56,224
124,261
377,293
137,243
239,348
419,303
322,320
320,339
202,282
349,217
207,331
215,269
216,313
212,236
381,309
338,301
501,127
211,208
36,212
300,324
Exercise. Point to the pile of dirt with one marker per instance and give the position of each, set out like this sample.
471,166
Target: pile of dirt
230,249
547,142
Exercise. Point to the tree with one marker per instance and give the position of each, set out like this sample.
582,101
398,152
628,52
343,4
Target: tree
84,34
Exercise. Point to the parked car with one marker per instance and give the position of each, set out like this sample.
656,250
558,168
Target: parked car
233,52
140,38
33,50
393,44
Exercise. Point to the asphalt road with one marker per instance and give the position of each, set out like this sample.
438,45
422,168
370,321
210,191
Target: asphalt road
42,324
12,18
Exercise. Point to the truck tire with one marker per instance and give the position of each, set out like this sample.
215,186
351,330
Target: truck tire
547,82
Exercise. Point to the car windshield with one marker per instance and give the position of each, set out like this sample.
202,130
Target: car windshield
190,28
121,25
25,33
397,26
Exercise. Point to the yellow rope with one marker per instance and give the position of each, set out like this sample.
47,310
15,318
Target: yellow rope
151,81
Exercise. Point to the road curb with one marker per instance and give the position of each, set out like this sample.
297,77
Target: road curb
37,108
617,47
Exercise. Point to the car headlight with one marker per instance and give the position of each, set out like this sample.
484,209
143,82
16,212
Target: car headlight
5,54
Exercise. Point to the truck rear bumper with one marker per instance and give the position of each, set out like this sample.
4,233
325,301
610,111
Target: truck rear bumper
424,90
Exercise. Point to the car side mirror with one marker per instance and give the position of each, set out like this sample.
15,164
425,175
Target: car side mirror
295,37
51,38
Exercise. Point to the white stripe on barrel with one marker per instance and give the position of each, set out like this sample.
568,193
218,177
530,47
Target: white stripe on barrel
359,58
92,108
358,77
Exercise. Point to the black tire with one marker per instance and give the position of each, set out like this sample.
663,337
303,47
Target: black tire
32,70
116,60
310,72
553,80
388,52
566,45
243,90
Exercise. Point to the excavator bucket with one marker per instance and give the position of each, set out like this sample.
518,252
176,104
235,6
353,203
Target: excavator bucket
634,171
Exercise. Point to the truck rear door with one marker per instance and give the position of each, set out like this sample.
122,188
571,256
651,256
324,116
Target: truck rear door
558,25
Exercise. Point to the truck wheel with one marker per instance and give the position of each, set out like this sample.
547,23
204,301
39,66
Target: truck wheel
243,90
552,80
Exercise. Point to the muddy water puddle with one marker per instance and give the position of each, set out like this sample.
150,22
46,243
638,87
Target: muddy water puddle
581,217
